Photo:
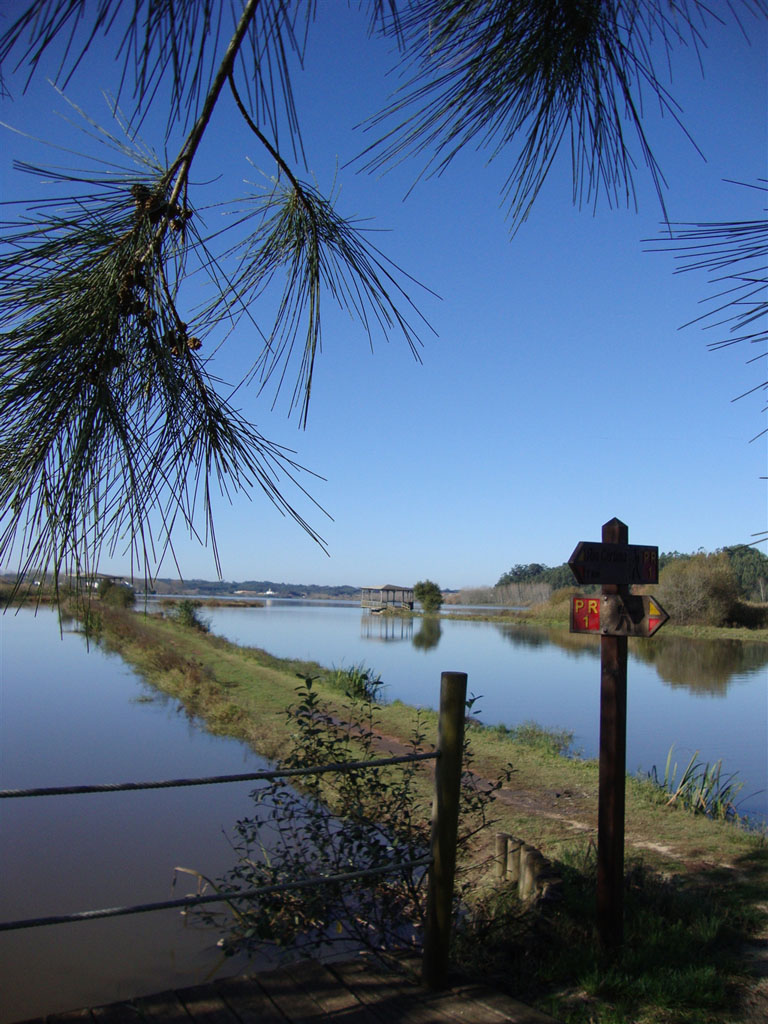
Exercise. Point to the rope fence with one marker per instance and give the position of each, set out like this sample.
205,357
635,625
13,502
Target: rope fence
193,901
225,897
441,862
212,780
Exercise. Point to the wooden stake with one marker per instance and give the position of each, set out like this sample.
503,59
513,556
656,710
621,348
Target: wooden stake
445,823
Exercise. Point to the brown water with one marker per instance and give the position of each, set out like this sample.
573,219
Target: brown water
68,716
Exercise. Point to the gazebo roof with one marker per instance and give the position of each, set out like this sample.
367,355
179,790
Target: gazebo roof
388,586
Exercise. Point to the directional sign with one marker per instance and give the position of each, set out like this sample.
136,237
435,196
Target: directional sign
617,615
625,564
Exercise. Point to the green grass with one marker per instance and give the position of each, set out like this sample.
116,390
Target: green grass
680,961
531,734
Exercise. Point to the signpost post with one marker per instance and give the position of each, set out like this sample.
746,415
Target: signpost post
615,615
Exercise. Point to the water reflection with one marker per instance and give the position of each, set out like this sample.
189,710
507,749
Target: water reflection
576,644
703,666
70,715
429,634
387,628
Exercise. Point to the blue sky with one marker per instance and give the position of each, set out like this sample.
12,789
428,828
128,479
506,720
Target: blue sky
557,390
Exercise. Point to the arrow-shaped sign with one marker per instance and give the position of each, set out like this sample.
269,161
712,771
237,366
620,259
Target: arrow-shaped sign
599,562
616,615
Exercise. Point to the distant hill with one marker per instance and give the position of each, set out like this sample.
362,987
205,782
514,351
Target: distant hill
255,588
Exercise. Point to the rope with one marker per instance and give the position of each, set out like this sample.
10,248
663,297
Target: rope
193,901
118,787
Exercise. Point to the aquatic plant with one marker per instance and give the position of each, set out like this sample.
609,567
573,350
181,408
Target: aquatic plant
358,682
702,788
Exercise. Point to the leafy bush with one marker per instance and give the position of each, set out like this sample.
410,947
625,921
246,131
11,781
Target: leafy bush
116,595
348,821
752,616
186,613
700,590
429,595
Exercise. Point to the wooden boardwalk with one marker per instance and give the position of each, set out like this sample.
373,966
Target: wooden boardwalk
357,992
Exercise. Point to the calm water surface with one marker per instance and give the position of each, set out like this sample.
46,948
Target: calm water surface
72,717
710,696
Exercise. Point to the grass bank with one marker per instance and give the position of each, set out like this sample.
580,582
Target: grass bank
697,889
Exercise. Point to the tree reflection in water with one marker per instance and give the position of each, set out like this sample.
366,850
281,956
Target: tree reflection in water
703,666
429,633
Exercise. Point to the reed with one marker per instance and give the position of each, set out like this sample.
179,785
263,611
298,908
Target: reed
357,681
702,788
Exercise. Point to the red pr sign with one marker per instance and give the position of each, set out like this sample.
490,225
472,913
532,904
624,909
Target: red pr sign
585,614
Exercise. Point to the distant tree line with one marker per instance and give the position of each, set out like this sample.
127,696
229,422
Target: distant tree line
721,588
557,576
748,566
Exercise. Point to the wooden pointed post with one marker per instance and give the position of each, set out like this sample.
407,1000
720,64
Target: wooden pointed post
445,824
613,760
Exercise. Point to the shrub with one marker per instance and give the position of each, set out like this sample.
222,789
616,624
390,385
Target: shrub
341,822
116,595
429,595
186,613
701,590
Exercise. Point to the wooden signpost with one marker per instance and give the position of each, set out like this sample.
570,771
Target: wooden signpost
616,615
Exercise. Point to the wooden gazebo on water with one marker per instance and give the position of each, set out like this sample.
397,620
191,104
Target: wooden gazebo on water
388,596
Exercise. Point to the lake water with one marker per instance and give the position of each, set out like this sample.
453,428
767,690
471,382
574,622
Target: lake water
72,717
69,716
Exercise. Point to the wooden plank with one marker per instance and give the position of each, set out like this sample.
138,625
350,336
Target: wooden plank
470,1003
307,992
458,1008
122,1013
511,1009
390,996
206,1006
291,1000
66,1018
247,1000
333,996
162,1006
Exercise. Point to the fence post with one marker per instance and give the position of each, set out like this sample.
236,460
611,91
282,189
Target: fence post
500,866
445,823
